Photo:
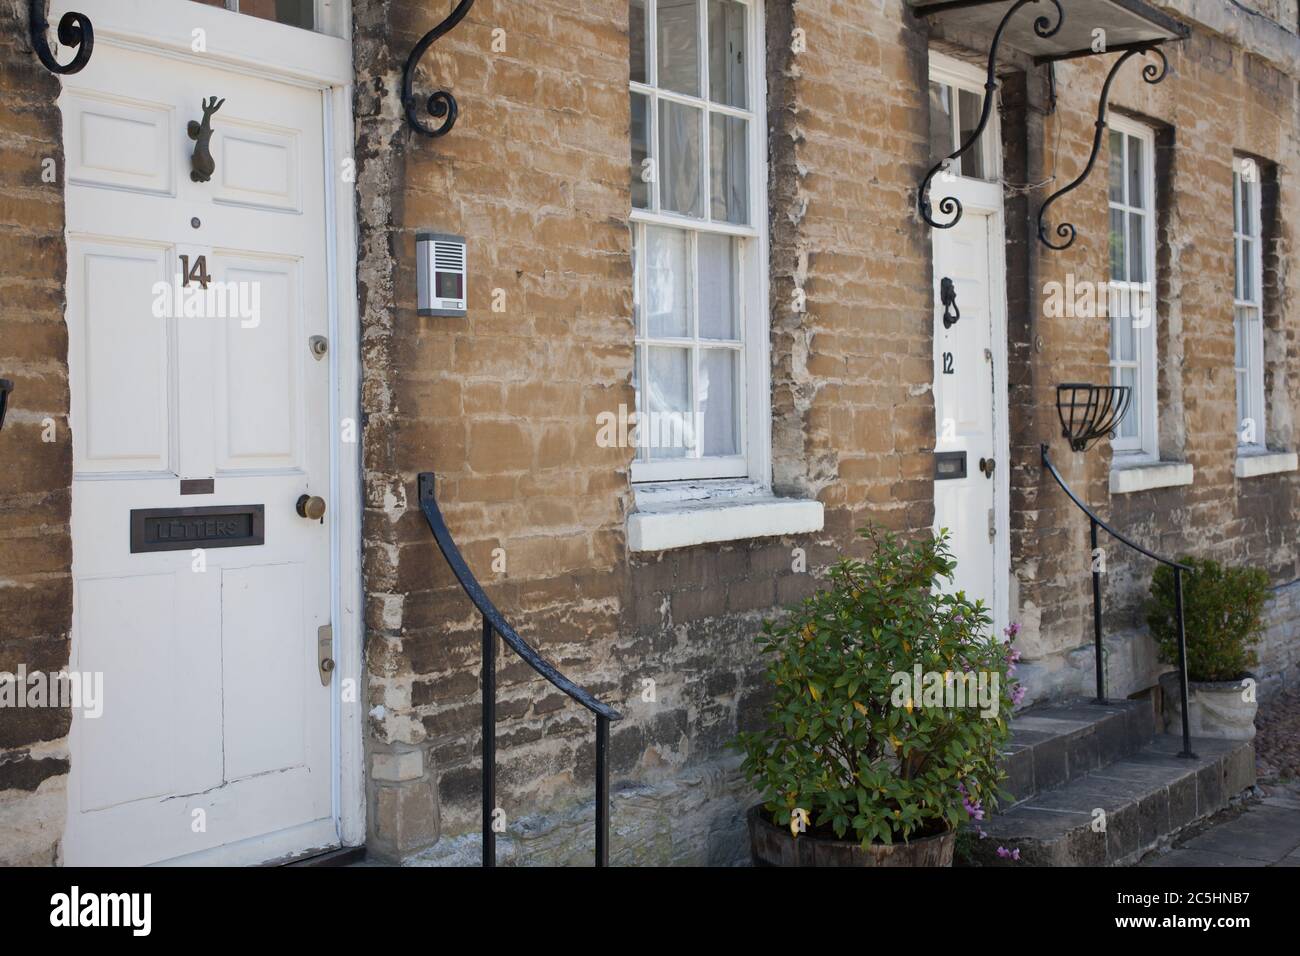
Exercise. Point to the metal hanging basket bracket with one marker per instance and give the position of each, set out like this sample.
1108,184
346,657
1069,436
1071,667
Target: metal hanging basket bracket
1094,27
75,32
441,105
1089,413
1152,73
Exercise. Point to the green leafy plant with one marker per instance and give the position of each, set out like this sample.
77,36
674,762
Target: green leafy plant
846,738
1224,613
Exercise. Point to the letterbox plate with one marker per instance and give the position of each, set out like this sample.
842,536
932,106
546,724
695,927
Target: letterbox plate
181,529
949,465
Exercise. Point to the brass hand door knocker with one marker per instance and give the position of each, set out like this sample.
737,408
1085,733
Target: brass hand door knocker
948,296
202,165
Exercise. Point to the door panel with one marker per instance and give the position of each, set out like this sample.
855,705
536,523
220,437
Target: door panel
215,736
122,353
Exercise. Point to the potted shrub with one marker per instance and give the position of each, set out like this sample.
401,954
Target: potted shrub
890,706
1224,617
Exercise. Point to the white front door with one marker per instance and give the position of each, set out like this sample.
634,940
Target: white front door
970,393
215,739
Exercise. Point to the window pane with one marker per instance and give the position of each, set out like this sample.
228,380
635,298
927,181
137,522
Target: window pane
1136,161
718,405
1129,427
717,287
679,46
1238,336
969,106
1123,333
1137,247
640,150
679,158
668,428
1236,202
1116,167
636,34
641,454
1247,214
1247,273
727,52
940,121
1117,270
667,283
729,168
1238,270
297,13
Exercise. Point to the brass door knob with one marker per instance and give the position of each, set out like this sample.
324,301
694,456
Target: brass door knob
311,507
987,465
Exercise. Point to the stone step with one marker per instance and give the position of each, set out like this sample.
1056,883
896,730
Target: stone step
1054,744
1114,814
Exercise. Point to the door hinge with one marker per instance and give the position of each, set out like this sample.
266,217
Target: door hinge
325,652
993,523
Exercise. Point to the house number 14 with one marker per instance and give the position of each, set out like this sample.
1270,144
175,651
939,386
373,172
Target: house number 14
198,274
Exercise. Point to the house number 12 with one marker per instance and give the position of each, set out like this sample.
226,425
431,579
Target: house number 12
947,363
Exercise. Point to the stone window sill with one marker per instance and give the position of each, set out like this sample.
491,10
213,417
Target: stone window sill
1127,479
686,514
1251,464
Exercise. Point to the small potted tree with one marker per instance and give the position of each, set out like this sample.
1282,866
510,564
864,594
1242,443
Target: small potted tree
1223,611
890,706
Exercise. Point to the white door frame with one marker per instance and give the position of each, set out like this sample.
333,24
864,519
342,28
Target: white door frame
984,199
288,54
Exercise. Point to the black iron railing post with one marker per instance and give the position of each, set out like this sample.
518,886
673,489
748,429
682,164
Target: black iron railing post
489,743
1182,661
602,790
1095,558
494,626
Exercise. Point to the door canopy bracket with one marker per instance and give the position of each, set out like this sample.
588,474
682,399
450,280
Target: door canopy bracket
1094,27
75,31
1152,73
951,205
441,105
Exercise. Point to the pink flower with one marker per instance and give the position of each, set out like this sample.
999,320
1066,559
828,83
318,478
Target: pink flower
1006,854
1011,630
1017,695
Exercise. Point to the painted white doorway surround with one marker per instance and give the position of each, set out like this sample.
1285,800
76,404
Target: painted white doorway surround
218,742
970,374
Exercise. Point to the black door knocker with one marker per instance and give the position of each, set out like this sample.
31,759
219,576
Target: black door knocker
202,165
948,296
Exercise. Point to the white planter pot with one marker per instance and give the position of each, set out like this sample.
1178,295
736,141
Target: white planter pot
1214,709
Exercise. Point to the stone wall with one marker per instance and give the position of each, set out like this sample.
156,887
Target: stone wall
1216,101
35,445
502,404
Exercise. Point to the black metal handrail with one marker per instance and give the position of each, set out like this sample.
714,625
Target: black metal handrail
1096,522
495,623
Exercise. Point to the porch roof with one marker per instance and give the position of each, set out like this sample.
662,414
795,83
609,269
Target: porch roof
1128,24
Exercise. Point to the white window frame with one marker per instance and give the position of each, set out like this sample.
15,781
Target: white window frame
1253,339
753,396
950,71
1145,446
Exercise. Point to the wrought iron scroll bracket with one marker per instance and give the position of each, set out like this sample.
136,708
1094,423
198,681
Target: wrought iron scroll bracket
951,205
1152,73
441,105
75,31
